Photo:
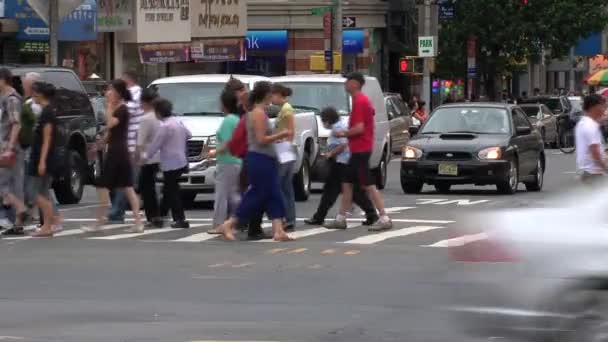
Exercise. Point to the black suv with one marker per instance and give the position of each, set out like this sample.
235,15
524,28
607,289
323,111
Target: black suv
75,113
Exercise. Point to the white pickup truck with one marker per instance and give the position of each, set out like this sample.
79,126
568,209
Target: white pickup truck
196,100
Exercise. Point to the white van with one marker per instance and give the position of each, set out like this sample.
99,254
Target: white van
196,101
318,91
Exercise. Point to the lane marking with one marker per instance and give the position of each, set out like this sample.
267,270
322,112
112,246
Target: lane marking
298,251
219,265
355,220
315,267
446,201
328,252
132,235
144,233
277,250
397,209
243,265
79,208
374,238
459,241
351,253
76,231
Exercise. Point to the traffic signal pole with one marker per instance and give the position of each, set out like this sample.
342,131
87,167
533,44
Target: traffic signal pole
336,33
54,32
426,78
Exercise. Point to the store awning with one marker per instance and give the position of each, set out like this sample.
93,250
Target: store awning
8,26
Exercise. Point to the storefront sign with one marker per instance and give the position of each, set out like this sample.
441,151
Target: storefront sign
163,21
164,53
116,15
267,40
214,19
79,25
353,41
219,50
33,47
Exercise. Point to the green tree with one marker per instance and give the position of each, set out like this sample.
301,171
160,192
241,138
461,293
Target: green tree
509,33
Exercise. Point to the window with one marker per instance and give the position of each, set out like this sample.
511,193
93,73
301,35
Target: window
546,111
193,98
478,120
519,119
320,95
531,111
63,79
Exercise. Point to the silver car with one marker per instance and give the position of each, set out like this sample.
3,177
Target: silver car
544,120
537,274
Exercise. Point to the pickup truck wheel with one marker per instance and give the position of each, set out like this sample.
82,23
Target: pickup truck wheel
301,181
381,173
70,186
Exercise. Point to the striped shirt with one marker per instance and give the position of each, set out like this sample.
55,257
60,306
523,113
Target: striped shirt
136,114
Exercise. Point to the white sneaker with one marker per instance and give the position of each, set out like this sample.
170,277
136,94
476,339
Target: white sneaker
136,229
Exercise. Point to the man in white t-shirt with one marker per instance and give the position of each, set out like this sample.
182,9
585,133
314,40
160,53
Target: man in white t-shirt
591,160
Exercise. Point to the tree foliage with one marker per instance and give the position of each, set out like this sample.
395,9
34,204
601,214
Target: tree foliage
510,32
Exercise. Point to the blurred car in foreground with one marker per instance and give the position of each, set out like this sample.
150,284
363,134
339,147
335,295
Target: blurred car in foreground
535,274
475,143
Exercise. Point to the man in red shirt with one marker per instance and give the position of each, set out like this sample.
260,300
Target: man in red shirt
360,136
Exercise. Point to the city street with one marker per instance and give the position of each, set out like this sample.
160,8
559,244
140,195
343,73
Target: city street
184,285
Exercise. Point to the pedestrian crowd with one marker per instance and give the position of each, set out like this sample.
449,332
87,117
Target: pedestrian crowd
255,159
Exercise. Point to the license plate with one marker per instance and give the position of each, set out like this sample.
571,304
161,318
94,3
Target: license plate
448,170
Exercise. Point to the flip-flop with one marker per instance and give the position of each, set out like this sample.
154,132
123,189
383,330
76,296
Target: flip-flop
285,238
41,234
214,231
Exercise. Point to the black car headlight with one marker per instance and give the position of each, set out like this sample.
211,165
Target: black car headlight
411,153
490,153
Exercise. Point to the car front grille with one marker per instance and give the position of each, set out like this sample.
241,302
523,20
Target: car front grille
449,156
195,148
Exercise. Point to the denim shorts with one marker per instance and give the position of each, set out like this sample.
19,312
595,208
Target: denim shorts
41,186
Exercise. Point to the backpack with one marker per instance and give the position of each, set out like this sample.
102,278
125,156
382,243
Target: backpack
28,121
238,143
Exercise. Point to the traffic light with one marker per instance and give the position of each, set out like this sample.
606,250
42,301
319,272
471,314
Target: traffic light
406,65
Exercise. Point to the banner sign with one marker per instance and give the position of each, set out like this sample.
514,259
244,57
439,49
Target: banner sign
164,53
77,25
33,47
219,50
215,19
116,15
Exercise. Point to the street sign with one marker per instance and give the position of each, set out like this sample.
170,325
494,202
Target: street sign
446,9
320,10
328,55
471,73
349,22
427,46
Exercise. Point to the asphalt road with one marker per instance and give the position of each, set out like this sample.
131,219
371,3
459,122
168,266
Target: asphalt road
168,285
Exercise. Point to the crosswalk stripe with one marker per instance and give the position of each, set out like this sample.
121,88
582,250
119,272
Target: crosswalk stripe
132,235
314,231
79,231
459,241
197,238
374,238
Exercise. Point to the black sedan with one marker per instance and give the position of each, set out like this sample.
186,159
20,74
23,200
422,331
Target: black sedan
475,143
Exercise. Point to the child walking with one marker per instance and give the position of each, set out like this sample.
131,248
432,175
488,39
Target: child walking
338,157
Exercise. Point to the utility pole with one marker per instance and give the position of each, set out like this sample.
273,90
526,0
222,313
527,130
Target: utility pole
426,78
54,32
337,33
572,62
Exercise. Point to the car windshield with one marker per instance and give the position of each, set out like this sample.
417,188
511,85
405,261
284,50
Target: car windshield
531,111
479,120
193,98
319,95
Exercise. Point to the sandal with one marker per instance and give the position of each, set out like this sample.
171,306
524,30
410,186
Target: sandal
42,234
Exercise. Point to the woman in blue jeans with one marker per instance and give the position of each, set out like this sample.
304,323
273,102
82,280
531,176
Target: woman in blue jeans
287,159
264,192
